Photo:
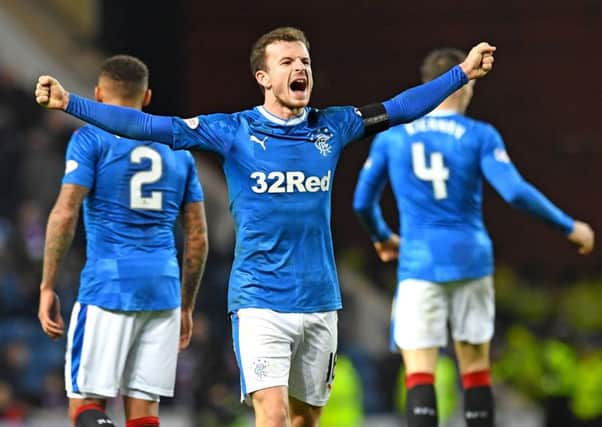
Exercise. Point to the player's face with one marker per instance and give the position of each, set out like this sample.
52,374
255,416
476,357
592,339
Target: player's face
287,77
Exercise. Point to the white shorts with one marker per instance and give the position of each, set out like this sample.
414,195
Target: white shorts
421,311
131,353
295,350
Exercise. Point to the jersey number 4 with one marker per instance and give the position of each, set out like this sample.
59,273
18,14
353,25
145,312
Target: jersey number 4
137,200
438,174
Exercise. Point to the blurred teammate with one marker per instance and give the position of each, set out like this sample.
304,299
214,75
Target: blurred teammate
436,166
130,311
279,160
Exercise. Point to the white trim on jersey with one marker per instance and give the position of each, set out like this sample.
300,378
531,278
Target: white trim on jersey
441,113
275,119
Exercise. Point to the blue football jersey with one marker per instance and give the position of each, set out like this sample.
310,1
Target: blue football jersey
136,191
436,166
279,175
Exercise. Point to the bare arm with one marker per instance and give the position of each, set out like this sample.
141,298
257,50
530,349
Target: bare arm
59,235
196,248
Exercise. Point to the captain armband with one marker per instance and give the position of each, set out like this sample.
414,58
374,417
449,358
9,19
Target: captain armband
375,118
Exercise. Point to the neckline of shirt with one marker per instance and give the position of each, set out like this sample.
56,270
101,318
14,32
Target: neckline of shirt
442,113
280,121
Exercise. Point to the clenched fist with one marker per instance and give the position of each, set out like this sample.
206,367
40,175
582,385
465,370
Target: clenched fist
50,93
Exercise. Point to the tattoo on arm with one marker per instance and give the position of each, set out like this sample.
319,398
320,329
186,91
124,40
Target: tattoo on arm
195,252
61,229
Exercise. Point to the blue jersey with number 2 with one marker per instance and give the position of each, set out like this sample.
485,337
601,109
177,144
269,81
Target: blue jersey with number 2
136,191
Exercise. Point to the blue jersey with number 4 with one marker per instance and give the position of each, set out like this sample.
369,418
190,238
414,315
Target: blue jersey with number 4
436,167
136,191
279,175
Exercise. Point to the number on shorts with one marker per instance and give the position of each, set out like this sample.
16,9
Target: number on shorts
332,363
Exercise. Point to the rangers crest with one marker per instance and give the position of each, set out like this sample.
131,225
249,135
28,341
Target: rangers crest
321,142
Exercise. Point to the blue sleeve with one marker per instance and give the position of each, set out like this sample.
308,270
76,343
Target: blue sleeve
203,132
368,190
127,122
419,100
507,181
81,157
194,191
352,124
211,132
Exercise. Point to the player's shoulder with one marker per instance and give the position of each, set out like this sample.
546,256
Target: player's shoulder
87,135
87,131
219,120
180,155
334,117
479,125
333,112
228,118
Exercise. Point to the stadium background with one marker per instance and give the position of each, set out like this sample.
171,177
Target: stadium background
543,96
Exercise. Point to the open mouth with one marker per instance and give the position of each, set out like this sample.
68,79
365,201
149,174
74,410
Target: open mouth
298,85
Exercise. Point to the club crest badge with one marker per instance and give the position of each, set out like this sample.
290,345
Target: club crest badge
260,367
322,141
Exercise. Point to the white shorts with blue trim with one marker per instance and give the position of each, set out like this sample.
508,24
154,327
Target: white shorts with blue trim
295,350
121,352
421,312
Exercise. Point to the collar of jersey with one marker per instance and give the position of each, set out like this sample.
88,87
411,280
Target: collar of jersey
279,121
442,113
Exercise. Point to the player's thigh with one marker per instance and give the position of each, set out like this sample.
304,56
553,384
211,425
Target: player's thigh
263,343
314,360
473,311
419,315
98,343
150,371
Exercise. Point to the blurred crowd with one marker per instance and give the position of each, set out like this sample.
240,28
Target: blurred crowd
547,345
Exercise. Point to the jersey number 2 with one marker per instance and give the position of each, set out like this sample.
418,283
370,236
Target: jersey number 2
137,200
438,174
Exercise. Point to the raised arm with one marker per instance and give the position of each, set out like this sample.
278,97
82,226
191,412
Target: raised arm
419,100
370,184
59,235
196,247
508,182
127,122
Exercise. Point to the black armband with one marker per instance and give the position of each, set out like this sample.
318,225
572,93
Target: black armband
375,118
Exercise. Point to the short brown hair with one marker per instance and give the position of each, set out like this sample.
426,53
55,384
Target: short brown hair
439,61
285,34
128,72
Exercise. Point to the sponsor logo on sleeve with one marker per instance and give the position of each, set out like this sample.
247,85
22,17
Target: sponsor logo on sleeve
501,155
192,122
70,166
